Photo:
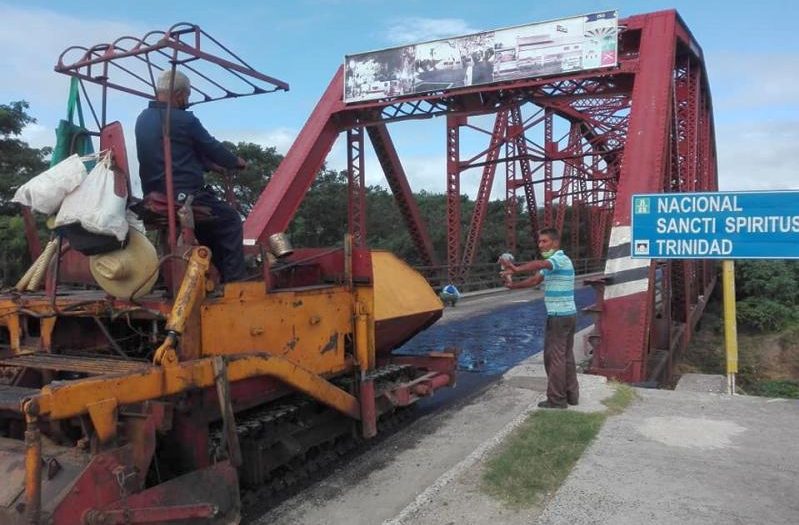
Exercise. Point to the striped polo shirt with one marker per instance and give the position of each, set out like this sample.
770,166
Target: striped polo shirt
559,286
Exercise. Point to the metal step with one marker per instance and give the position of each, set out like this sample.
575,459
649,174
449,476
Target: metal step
11,397
69,363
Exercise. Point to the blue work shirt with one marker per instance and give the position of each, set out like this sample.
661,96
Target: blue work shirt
559,286
192,148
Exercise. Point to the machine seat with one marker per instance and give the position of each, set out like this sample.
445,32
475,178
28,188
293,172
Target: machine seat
152,210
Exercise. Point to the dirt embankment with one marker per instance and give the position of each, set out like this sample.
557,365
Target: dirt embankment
768,363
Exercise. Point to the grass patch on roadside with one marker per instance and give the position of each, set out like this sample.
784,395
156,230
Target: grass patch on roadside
537,457
786,389
621,398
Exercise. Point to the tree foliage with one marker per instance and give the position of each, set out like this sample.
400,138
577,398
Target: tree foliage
18,163
773,279
321,219
767,294
247,184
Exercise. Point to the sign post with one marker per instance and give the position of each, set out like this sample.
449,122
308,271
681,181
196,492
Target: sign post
720,225
730,324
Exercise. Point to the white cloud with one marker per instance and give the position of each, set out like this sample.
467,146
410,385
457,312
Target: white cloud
424,172
33,40
279,138
750,157
419,29
747,81
38,136
758,156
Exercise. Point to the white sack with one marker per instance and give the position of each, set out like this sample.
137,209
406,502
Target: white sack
45,192
95,205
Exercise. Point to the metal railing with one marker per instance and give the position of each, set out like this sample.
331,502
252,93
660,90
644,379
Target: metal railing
486,275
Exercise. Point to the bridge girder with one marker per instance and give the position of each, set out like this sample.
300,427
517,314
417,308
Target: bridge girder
644,126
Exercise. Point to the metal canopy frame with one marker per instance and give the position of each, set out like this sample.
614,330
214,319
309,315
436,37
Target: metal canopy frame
183,44
132,65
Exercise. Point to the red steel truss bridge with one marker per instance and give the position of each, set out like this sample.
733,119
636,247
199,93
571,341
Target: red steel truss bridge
644,126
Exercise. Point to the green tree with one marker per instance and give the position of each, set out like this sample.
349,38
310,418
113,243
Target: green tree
248,184
775,280
321,219
767,294
385,228
18,163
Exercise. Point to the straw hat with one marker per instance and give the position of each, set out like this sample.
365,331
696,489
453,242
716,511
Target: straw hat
121,272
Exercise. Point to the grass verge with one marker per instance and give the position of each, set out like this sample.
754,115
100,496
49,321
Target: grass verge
538,456
776,388
622,396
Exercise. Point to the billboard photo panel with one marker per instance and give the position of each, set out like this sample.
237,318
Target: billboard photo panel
380,74
528,51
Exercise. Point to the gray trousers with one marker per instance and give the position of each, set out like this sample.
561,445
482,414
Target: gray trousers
559,360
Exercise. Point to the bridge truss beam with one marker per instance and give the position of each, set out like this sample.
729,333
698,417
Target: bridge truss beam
581,144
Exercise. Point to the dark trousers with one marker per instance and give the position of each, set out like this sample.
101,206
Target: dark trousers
559,360
223,234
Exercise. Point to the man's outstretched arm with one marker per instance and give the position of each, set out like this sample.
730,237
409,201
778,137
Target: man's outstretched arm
531,266
213,151
533,280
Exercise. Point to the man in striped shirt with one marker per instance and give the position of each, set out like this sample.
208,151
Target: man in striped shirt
557,273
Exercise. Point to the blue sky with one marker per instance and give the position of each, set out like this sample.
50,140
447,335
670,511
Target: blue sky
751,52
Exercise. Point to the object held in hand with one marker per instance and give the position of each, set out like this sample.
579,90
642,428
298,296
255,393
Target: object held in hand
505,260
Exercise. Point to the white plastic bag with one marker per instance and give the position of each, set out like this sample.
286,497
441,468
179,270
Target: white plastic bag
45,192
95,205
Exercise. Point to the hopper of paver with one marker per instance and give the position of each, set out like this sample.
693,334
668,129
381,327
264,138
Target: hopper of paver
404,302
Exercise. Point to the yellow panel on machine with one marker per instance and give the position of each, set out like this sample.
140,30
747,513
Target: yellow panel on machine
307,326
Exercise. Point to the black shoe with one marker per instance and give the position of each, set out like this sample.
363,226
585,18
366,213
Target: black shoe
572,402
550,404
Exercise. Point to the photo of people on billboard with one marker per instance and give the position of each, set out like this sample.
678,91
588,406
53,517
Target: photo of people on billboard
529,51
455,62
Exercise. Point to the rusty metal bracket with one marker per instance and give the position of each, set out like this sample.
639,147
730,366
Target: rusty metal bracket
104,418
69,399
226,409
199,511
33,463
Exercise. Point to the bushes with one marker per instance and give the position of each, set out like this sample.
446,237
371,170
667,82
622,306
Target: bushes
767,294
768,338
763,315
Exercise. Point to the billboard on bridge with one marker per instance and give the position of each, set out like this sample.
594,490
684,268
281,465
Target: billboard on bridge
528,51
